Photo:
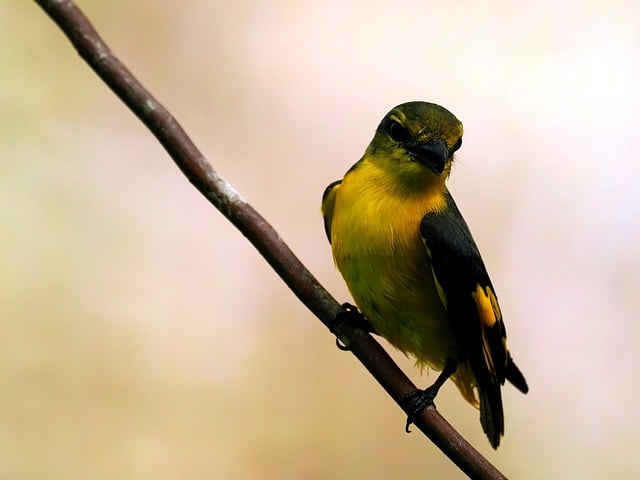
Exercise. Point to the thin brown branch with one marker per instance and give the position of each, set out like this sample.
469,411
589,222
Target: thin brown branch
259,232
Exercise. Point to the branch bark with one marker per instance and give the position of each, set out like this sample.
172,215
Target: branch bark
258,231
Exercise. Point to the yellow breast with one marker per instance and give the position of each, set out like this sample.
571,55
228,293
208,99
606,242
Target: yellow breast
376,243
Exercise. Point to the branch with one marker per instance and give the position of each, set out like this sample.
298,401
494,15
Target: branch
258,231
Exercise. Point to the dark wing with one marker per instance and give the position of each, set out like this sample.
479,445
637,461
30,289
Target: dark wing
328,202
473,310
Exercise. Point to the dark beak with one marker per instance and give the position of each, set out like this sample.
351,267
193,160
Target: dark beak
432,155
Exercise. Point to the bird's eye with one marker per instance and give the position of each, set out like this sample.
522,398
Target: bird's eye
398,133
457,145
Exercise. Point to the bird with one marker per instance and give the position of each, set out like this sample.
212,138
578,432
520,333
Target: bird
412,266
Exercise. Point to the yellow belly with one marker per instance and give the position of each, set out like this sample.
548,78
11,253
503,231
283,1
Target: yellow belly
378,249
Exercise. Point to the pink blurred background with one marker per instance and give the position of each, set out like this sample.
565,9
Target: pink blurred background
143,337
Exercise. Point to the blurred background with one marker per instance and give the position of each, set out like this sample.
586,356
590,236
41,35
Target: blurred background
143,337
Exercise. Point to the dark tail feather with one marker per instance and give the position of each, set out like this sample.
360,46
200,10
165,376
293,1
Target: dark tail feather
514,375
491,416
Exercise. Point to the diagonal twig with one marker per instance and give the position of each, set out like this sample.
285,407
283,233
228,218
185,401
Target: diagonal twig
258,231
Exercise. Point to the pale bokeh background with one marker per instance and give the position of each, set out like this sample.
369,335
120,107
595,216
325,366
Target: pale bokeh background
144,338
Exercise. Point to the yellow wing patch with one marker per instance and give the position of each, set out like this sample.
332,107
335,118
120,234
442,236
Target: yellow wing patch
489,313
487,305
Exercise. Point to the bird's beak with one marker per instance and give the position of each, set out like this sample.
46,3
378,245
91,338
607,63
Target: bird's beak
432,155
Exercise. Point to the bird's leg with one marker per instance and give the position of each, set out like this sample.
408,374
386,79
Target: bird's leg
351,314
424,398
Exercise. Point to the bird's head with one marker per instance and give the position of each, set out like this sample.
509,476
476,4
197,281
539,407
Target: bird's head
416,141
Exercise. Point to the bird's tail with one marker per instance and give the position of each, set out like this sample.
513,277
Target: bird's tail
491,413
514,375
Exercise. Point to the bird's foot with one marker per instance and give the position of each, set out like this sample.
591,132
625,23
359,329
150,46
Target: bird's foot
350,313
423,398
419,400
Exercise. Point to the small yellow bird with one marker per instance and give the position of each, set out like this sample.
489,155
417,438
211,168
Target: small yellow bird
411,264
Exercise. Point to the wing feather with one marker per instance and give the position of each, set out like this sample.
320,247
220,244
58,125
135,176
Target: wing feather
328,203
472,308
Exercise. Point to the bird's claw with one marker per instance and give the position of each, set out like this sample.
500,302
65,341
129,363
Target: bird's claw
352,314
423,398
